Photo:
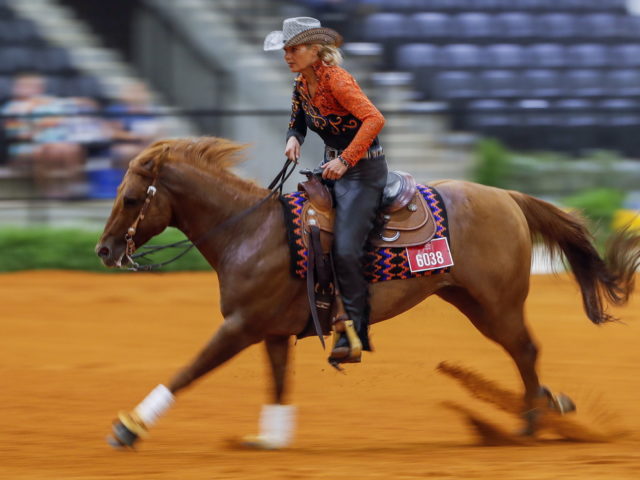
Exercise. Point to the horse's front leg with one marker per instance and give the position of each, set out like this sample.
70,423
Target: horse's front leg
277,420
234,335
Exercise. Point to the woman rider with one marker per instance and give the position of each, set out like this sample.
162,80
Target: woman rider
327,99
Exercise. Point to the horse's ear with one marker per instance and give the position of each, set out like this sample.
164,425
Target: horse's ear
149,164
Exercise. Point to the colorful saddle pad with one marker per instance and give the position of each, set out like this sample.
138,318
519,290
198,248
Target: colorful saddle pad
381,264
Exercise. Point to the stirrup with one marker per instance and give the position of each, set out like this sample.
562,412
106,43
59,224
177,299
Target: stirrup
345,354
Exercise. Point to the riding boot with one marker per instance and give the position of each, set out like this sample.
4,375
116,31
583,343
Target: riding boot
357,196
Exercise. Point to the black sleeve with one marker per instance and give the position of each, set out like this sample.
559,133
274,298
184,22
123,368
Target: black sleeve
297,124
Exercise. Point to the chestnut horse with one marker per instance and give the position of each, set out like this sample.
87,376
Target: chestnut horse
491,231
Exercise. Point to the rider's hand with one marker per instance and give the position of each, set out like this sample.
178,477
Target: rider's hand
334,169
292,150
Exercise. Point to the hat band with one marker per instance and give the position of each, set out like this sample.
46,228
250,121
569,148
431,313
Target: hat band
324,36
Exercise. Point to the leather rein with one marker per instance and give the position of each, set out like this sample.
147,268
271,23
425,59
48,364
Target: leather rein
275,187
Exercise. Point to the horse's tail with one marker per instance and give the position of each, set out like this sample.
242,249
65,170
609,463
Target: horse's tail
602,280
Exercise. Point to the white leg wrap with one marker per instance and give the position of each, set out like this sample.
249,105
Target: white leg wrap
154,405
277,425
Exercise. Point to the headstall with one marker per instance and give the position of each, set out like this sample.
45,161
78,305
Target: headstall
131,231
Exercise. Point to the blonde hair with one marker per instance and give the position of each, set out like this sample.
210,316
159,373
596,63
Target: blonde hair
330,54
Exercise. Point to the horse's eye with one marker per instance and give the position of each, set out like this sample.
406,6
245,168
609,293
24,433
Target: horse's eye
130,201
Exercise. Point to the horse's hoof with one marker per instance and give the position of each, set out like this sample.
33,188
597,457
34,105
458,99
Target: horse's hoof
121,437
126,431
117,444
560,402
563,404
260,442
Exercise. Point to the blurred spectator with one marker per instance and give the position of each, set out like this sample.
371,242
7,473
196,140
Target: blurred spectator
27,93
133,122
64,144
49,139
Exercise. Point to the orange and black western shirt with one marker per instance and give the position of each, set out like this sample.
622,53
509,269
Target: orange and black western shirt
339,112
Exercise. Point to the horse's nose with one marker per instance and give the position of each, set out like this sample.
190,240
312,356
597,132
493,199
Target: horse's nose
103,251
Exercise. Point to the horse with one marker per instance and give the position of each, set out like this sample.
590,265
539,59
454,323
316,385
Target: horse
189,184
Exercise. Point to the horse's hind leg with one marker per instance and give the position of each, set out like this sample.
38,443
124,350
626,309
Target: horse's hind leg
506,327
277,421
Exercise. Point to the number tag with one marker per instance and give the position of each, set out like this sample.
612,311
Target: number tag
432,255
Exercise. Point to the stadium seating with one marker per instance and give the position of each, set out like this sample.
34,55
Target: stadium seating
381,26
600,25
626,55
23,49
546,55
587,55
556,26
515,25
17,31
538,64
620,112
430,26
475,26
488,116
501,84
5,88
576,112
413,55
456,85
461,56
623,83
584,83
574,6
542,83
630,27
504,55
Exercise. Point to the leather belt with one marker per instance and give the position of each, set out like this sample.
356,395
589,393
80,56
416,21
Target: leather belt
373,152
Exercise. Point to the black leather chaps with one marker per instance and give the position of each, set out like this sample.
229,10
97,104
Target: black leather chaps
357,197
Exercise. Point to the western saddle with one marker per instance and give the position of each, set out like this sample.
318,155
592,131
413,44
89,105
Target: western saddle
404,220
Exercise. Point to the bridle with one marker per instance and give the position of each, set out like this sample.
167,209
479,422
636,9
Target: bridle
131,231
275,187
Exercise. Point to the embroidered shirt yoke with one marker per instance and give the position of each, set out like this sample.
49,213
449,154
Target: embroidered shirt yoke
339,112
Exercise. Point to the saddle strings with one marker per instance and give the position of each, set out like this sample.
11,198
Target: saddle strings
275,186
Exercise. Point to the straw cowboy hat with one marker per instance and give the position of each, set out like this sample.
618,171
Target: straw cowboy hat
301,31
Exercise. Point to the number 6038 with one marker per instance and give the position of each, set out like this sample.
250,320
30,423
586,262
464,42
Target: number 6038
429,258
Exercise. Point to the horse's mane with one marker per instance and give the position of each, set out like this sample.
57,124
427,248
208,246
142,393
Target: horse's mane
211,155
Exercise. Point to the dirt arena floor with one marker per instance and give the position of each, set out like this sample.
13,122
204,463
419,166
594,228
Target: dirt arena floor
75,348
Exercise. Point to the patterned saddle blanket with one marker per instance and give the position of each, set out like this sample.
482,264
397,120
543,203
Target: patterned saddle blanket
381,263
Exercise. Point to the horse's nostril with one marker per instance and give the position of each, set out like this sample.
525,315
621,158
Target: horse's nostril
103,252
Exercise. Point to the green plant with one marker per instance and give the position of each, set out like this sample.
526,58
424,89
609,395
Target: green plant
598,205
73,249
493,163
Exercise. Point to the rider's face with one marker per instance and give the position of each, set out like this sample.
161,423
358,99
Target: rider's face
300,57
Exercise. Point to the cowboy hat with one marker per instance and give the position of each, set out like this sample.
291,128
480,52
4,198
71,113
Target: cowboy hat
301,31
